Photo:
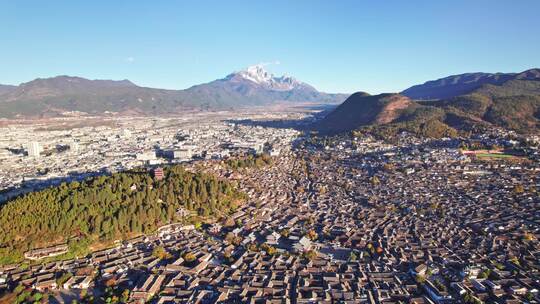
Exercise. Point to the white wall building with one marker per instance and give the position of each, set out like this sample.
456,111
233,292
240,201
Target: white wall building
147,155
183,154
34,149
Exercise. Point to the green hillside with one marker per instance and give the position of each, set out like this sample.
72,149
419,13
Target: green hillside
109,208
512,104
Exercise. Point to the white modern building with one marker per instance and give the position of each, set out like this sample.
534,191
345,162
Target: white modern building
146,156
34,149
184,153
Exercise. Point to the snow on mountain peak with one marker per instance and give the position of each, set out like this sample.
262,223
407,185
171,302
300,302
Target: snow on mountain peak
257,74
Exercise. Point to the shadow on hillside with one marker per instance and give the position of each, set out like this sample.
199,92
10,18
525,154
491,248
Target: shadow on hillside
304,124
36,184
300,124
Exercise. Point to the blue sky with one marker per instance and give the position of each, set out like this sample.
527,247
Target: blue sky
337,46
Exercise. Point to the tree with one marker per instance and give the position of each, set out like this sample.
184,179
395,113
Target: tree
312,235
252,247
229,222
310,255
388,167
268,249
371,248
440,286
105,208
515,261
375,180
63,278
189,257
160,253
528,236
484,274
38,296
124,298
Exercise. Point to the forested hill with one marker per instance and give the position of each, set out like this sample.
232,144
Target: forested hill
108,208
511,102
462,84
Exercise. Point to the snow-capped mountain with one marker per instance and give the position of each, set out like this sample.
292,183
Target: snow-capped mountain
255,73
256,86
258,75
251,87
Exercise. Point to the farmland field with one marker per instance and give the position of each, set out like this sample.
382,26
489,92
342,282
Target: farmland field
494,155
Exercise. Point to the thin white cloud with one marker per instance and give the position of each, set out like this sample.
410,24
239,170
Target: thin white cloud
129,59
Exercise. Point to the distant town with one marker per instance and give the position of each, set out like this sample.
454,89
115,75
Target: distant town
341,219
38,155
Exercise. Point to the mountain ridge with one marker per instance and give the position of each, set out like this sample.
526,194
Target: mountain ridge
250,87
460,84
364,109
509,101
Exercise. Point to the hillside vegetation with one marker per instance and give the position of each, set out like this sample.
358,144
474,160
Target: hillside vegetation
462,84
109,208
511,102
49,97
249,161
363,109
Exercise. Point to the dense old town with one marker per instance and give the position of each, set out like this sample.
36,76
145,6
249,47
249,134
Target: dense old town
270,152
340,219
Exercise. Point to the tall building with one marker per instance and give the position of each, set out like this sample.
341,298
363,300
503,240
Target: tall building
257,147
34,149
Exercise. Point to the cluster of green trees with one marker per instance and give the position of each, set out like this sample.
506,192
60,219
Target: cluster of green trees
518,113
514,105
249,161
271,250
470,298
309,255
22,295
440,286
505,106
160,253
424,121
108,208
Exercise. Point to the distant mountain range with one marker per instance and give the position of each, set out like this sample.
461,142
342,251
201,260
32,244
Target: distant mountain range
456,85
255,86
6,89
444,107
65,94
